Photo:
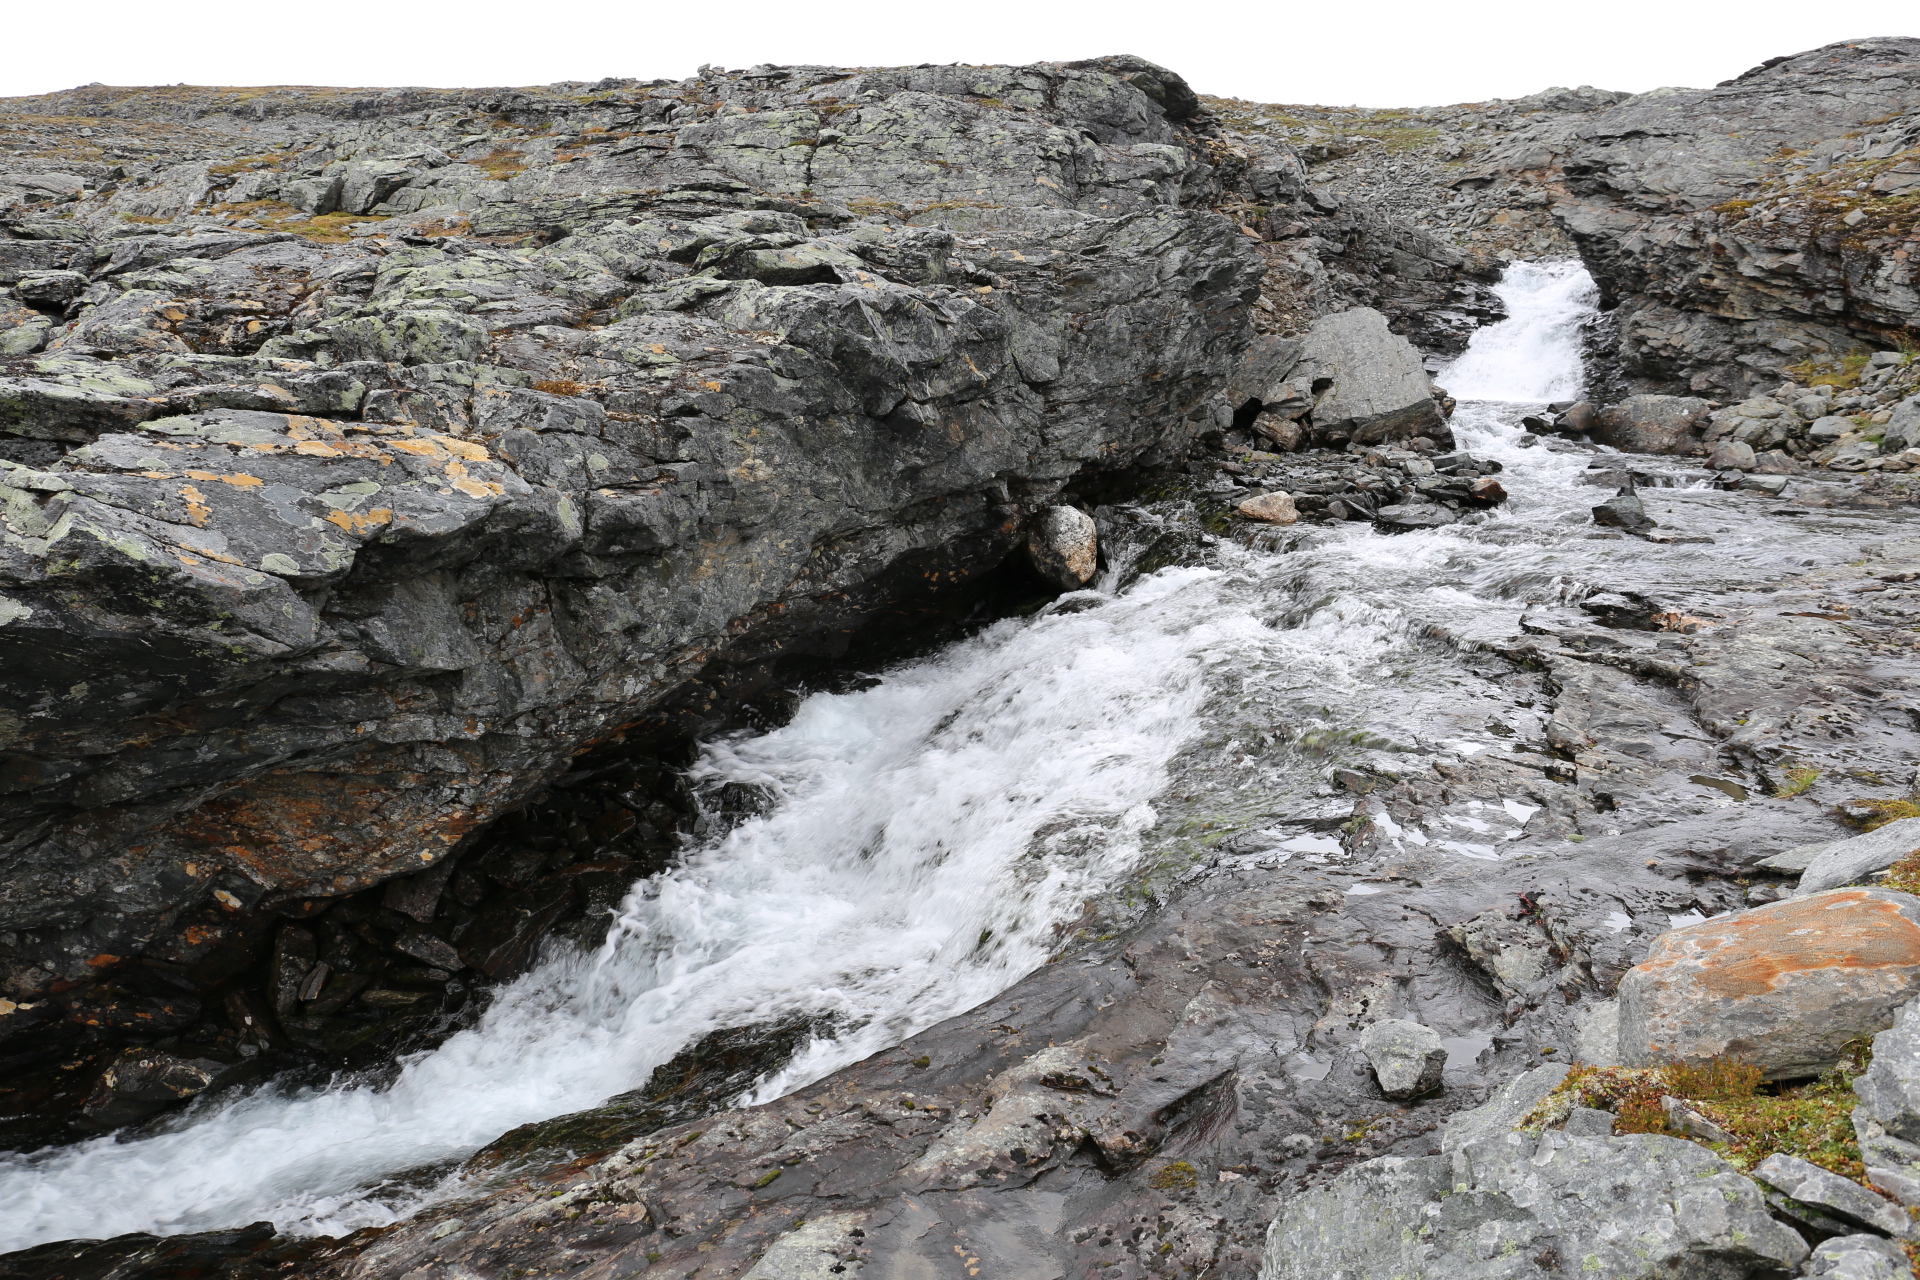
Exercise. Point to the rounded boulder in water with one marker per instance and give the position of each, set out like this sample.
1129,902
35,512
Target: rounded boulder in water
1064,547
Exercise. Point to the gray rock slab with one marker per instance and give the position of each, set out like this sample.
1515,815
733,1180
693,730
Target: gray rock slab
1794,860
1598,1042
1589,1122
1379,385
1846,861
1842,1197
1504,1110
1858,1258
1541,1205
1887,1121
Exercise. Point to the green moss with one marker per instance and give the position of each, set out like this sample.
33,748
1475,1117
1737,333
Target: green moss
1813,1122
1841,374
1177,1176
1881,812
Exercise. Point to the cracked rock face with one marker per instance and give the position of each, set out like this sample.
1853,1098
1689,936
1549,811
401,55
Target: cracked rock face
374,536
1745,227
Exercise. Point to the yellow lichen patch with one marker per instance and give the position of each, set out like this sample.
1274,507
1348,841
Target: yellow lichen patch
238,481
463,449
197,509
475,488
318,449
355,523
428,448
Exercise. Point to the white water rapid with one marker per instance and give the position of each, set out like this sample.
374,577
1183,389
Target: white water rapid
1534,354
930,833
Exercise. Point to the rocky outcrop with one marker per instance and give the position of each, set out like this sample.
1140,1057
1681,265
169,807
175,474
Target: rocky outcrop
1741,229
375,533
1735,231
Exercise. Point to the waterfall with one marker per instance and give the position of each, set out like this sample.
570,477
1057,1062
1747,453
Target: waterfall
1534,354
925,838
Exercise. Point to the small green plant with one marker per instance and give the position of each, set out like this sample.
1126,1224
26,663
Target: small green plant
1904,875
766,1179
1798,779
1813,1122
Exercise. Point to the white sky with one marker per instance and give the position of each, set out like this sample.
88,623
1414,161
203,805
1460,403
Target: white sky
1365,52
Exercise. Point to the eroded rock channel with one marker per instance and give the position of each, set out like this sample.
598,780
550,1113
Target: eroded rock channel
567,717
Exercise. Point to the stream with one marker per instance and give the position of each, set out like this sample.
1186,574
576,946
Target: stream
926,841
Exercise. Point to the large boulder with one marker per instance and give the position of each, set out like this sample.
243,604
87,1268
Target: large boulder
1371,383
1527,1205
1785,986
1652,424
1734,231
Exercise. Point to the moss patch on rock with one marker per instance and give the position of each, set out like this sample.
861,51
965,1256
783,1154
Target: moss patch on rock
1811,1121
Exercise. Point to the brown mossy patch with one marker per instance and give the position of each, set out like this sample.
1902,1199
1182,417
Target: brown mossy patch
1813,1122
1880,812
501,163
327,228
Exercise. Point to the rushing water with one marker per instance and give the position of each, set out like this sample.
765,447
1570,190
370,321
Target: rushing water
930,837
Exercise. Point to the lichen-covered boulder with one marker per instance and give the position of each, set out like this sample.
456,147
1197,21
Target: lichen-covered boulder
1858,1258
1535,1205
1784,986
1887,1121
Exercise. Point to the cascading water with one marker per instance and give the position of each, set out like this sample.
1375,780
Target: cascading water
1534,354
927,837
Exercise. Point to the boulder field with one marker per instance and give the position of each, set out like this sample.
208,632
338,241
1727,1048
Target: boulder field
394,482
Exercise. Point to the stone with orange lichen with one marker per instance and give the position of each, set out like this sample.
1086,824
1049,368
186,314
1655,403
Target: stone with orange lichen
1784,986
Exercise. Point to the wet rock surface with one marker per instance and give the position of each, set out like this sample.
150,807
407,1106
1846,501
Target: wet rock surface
399,446
510,439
